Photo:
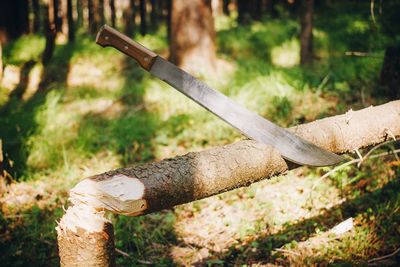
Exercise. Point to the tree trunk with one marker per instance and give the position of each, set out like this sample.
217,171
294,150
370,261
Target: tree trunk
306,37
225,7
94,15
14,19
390,73
112,11
50,28
154,14
216,6
169,20
58,19
36,16
129,18
2,171
24,16
70,19
143,22
243,7
256,10
192,44
1,58
79,13
85,238
102,18
151,187
270,8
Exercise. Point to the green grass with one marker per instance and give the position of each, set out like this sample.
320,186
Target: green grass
99,111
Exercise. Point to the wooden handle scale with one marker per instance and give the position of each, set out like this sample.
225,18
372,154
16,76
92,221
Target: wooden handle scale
108,36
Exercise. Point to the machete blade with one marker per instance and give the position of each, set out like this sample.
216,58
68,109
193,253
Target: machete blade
291,147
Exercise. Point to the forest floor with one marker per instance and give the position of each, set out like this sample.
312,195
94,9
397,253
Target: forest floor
92,109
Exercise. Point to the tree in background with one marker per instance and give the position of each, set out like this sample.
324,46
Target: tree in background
168,7
79,13
70,21
390,73
112,12
225,7
143,23
1,61
243,7
100,10
306,27
192,45
96,15
129,18
36,16
50,32
57,15
155,13
14,19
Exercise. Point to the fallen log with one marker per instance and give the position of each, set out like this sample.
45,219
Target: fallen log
154,186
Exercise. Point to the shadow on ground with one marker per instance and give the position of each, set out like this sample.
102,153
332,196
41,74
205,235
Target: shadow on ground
17,116
377,203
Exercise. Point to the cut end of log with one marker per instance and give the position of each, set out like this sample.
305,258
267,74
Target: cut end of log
120,194
82,217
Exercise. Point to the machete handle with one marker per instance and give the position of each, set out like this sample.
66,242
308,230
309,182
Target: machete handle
108,36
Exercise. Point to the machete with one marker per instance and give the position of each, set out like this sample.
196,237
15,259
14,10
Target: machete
291,147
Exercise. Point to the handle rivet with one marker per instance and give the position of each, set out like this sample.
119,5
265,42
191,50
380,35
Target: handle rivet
126,47
145,58
106,37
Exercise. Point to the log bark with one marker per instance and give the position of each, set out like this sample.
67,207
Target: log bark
155,186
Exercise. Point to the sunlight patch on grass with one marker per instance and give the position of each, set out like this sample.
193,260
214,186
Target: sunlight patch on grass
85,72
11,77
286,55
358,244
35,77
225,22
257,93
54,145
358,26
25,48
155,42
236,217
